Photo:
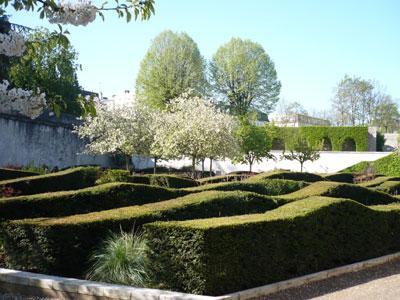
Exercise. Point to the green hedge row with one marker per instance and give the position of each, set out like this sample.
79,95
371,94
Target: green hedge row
106,196
7,174
390,187
337,135
354,192
281,174
223,255
340,177
270,187
164,180
70,179
220,178
388,166
62,245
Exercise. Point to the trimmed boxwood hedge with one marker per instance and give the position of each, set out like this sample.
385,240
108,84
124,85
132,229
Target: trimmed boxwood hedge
388,165
281,174
106,196
70,179
390,187
164,180
336,134
7,174
62,246
340,177
270,187
354,192
223,255
220,178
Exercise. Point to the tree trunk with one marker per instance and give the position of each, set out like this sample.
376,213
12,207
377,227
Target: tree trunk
301,167
251,165
155,165
194,167
127,162
211,167
202,167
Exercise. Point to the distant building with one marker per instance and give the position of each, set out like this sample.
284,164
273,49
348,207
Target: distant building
119,99
297,120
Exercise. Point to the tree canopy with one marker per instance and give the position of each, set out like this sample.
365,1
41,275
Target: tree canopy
172,65
50,67
255,143
244,76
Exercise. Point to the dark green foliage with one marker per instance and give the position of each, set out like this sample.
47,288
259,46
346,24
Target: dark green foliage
70,179
354,192
300,176
112,175
7,174
223,255
107,196
62,245
217,179
388,165
380,141
340,177
164,180
337,135
390,187
265,187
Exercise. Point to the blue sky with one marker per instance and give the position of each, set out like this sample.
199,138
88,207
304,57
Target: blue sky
313,43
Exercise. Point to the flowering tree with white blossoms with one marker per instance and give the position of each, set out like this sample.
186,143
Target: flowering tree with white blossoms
193,127
123,129
16,100
81,12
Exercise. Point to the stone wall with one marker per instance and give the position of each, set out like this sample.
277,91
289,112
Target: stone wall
44,141
391,141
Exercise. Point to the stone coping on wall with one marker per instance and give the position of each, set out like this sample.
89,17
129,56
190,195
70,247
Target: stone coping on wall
69,288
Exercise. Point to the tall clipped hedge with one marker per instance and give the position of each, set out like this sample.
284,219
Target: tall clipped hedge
6,174
70,179
62,246
64,203
223,255
388,165
337,135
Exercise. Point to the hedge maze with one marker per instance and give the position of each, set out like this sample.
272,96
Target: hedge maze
205,237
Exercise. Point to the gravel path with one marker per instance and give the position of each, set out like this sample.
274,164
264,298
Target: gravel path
380,282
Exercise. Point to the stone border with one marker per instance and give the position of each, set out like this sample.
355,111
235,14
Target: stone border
51,286
45,285
299,281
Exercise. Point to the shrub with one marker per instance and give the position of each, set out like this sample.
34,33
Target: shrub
378,181
107,196
390,187
217,179
70,179
111,175
223,255
340,177
164,180
280,174
266,187
339,190
45,245
120,259
7,174
388,165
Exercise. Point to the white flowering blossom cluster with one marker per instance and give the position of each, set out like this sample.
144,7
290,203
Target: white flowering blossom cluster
81,12
190,127
193,127
21,101
124,129
12,44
